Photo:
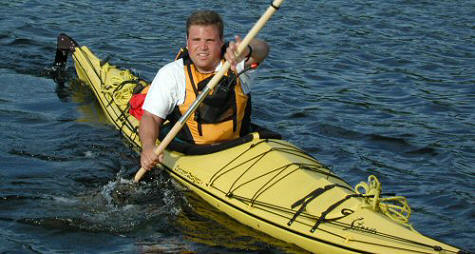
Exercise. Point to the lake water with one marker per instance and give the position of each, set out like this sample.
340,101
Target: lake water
367,87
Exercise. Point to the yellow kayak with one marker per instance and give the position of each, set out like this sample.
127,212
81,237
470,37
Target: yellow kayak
264,182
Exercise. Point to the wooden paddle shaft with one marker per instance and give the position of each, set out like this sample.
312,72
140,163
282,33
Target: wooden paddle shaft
212,83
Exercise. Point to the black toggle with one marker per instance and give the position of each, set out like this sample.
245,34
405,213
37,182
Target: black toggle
331,208
307,199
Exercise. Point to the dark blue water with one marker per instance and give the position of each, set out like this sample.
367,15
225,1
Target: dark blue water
367,87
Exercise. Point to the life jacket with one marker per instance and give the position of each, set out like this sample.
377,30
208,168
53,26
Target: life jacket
223,115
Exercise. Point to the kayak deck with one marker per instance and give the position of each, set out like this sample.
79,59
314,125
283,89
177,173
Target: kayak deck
266,183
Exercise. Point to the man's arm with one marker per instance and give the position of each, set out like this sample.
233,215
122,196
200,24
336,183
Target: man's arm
257,52
148,131
260,50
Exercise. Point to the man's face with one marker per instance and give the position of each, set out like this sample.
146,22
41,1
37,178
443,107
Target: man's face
204,46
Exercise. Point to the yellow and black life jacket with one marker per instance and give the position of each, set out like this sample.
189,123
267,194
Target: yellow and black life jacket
222,116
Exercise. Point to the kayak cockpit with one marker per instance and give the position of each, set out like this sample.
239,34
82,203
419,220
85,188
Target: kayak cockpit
183,147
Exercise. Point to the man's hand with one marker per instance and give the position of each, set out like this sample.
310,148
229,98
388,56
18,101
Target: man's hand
259,52
231,53
148,158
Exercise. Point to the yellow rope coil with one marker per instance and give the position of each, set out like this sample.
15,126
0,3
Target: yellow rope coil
123,95
112,81
395,207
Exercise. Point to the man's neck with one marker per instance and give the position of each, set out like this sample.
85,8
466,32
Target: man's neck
204,72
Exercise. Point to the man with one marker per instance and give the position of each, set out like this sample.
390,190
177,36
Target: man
177,84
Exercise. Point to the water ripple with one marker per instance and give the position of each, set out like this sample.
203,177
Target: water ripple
368,87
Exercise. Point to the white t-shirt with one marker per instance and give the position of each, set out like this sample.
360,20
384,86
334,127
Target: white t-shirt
169,86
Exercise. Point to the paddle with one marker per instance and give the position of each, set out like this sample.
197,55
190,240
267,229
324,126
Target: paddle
212,83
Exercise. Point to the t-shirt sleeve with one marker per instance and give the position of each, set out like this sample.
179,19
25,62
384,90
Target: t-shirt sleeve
162,97
246,78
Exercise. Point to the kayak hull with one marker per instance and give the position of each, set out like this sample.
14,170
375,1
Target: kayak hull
267,184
